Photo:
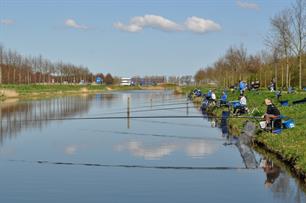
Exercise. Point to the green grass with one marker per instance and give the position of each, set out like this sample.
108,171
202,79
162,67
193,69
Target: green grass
291,143
24,89
124,88
37,88
42,89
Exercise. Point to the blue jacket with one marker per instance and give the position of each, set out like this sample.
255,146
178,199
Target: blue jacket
224,97
241,85
209,94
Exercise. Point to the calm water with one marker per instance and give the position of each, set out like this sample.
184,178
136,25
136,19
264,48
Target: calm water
128,160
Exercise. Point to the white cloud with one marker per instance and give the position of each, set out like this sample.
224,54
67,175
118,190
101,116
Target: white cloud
193,24
138,23
73,24
7,21
247,5
127,28
200,25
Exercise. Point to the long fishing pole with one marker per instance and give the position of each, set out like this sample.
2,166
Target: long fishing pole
140,108
173,123
123,109
143,110
135,166
135,111
156,105
169,99
155,135
136,117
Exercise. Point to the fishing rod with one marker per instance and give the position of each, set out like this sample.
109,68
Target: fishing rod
155,135
176,109
136,117
143,110
135,166
169,99
156,105
173,123
123,109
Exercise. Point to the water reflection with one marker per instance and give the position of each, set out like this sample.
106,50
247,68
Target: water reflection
137,148
272,171
279,182
193,149
71,149
36,114
117,157
242,142
200,149
17,116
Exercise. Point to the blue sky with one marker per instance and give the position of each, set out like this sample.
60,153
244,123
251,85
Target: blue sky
136,37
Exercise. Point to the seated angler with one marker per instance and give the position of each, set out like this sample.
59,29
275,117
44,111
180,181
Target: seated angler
242,107
197,92
272,115
213,97
223,99
242,86
208,95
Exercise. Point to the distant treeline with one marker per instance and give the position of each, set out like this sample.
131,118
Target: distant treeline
151,80
18,69
282,60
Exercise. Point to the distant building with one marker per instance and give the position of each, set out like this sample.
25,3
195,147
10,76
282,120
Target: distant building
125,81
148,80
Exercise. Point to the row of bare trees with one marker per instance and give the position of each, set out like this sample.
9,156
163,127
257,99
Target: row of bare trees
18,69
235,65
286,43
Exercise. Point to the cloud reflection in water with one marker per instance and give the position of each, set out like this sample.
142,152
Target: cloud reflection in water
149,153
195,149
200,149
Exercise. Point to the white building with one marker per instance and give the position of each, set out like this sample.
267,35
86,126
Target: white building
125,82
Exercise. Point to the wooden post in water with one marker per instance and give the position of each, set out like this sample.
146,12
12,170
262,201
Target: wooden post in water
187,109
151,100
0,119
128,112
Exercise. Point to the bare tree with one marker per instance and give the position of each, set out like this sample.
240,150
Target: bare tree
298,19
1,61
21,69
275,48
200,76
236,59
283,36
109,79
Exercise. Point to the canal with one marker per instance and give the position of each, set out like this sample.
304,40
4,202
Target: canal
49,154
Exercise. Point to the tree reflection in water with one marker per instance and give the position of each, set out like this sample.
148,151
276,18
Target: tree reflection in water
16,116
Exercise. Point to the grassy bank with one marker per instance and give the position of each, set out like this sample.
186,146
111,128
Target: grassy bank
24,91
38,90
290,144
32,88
